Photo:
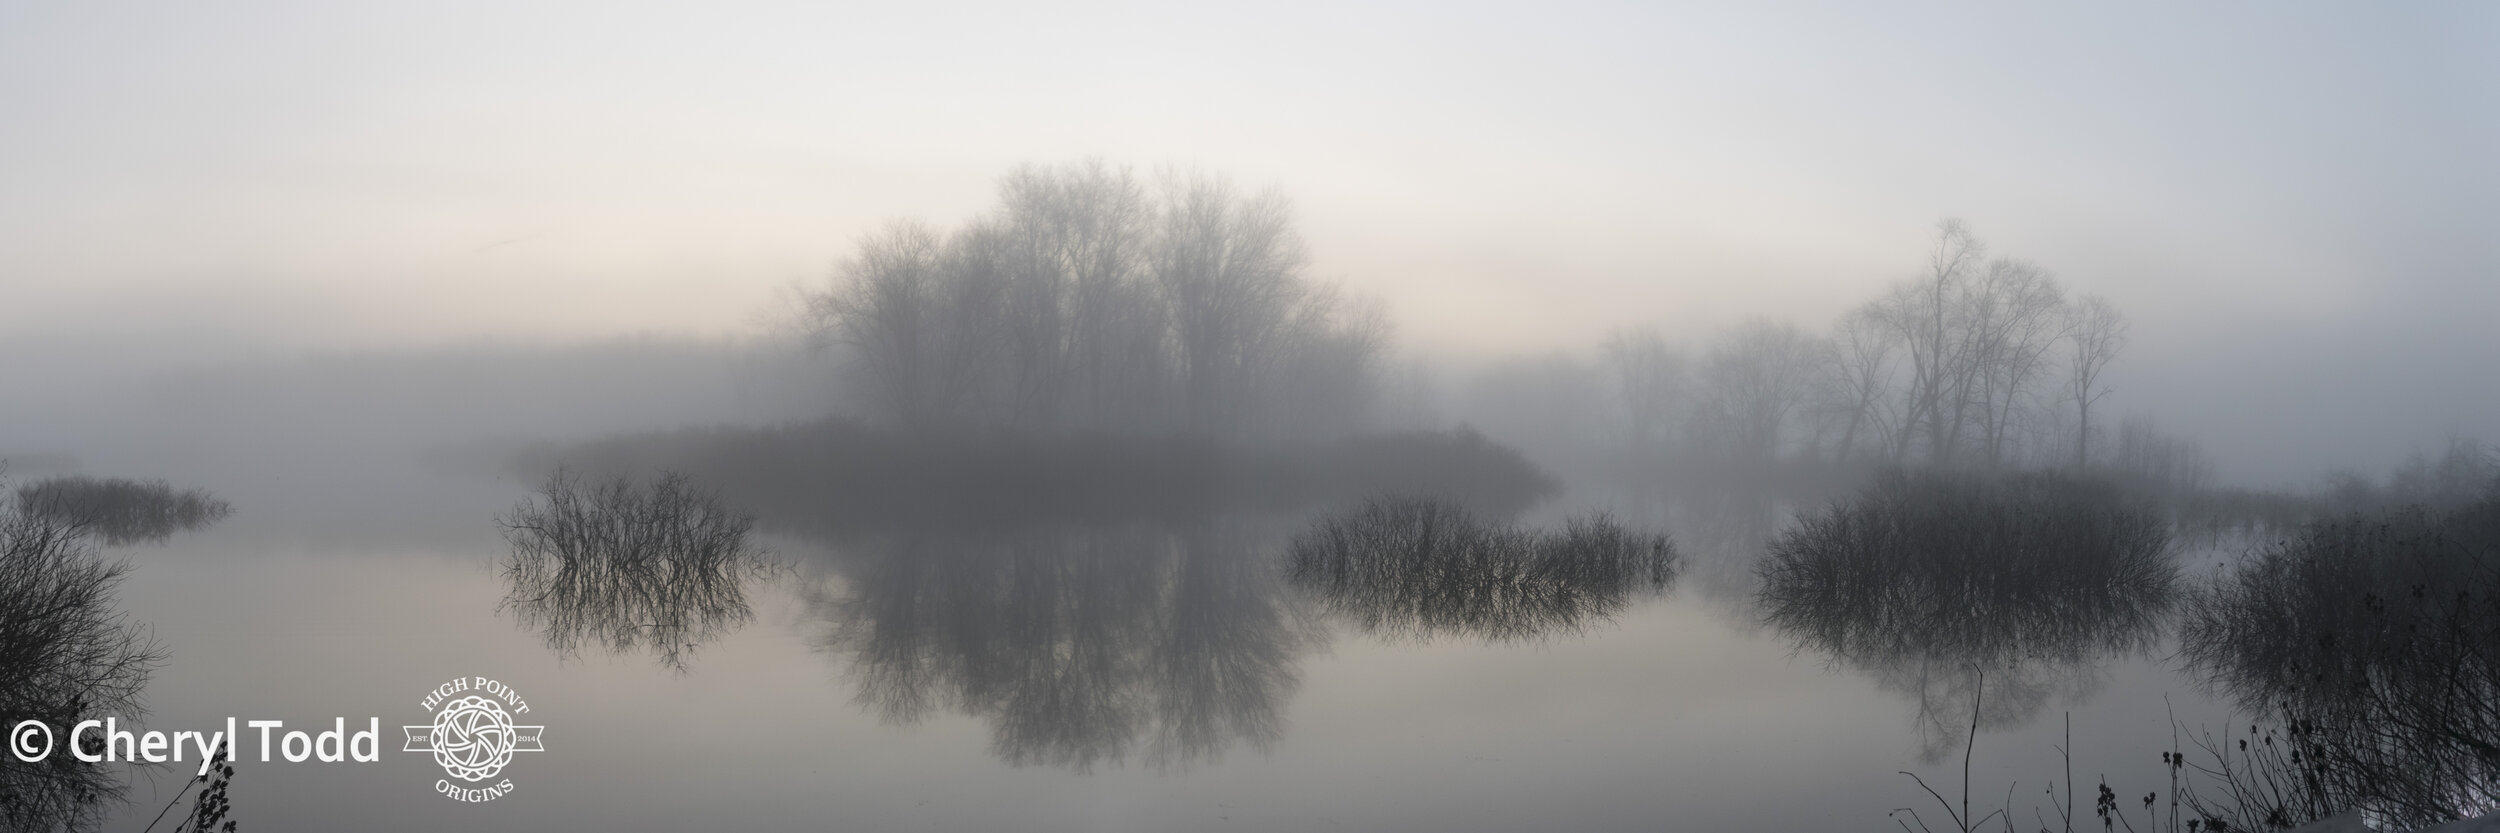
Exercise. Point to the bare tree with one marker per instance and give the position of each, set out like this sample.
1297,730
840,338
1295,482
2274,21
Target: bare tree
2096,332
1326,364
1084,330
1959,366
1980,335
1650,379
1230,269
1927,317
1753,381
1861,364
2018,315
67,654
902,309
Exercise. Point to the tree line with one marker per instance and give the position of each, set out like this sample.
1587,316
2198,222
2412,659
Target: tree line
1091,300
1979,360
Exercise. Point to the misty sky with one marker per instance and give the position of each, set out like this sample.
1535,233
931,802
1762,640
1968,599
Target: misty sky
2297,203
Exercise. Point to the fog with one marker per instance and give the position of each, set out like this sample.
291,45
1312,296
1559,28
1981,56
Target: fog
1133,387
2288,200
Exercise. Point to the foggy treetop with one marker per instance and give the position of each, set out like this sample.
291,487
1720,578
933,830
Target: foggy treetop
1092,300
1979,360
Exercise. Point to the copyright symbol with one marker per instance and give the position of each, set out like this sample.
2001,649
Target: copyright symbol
30,740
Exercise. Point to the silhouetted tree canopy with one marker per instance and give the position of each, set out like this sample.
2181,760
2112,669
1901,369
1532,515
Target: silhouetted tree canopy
1089,300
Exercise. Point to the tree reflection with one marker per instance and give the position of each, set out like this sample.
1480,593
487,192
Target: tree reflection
618,566
1423,568
121,511
1941,584
1080,645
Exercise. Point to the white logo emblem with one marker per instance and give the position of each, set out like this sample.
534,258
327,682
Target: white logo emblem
473,736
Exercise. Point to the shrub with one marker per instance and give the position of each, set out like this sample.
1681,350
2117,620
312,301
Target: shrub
2376,640
1418,567
66,654
1945,585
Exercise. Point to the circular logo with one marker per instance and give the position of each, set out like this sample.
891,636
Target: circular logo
30,740
473,738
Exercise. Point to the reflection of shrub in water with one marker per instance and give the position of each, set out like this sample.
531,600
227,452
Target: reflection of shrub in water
1978,568
1935,581
122,511
66,654
2377,639
1420,568
617,565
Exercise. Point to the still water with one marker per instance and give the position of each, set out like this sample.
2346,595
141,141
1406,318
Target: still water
1141,675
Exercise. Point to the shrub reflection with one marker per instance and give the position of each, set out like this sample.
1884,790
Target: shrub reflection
2375,639
624,567
1945,584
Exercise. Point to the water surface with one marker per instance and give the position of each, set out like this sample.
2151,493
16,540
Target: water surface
1138,675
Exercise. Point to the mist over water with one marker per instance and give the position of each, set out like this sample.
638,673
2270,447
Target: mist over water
1277,418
